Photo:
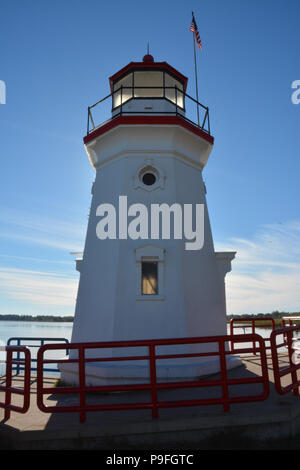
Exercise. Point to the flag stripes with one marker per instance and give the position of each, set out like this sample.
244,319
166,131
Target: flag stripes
195,31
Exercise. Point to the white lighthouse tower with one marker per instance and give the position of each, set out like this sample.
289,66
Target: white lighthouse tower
136,287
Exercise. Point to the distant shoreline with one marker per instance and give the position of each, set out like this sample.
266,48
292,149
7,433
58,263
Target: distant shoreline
69,319
275,315
37,318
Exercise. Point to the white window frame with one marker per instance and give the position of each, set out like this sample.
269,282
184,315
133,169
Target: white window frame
150,253
149,167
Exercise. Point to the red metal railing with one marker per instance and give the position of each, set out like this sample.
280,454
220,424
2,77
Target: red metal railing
291,321
8,388
154,404
289,340
32,343
252,323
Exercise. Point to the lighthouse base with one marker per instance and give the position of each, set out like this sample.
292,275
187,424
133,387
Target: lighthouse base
137,373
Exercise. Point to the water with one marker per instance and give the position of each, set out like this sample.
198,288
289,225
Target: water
9,329
264,332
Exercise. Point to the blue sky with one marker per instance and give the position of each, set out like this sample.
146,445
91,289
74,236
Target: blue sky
56,58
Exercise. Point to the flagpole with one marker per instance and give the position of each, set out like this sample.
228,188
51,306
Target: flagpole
196,77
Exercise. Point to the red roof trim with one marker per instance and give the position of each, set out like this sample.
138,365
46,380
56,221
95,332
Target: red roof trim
150,66
148,120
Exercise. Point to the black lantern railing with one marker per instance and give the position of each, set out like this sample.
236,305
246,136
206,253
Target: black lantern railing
183,104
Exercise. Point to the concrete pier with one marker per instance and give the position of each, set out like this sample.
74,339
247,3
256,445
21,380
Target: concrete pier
273,423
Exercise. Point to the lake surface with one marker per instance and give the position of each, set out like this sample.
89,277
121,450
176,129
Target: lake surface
9,329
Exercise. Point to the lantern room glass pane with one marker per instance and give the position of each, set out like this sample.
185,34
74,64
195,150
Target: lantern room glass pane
149,278
171,93
127,91
148,79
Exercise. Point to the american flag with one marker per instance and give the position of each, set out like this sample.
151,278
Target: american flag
194,30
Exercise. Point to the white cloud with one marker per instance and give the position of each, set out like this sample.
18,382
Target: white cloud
266,272
39,260
41,230
44,289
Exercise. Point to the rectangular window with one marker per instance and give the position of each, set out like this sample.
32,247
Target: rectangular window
149,278
120,97
172,94
148,79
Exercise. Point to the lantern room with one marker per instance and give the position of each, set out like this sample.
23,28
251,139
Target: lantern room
148,87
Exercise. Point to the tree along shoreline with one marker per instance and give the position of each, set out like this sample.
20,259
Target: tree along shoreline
277,316
36,318
52,318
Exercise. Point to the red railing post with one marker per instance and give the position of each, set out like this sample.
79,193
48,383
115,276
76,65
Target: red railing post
8,383
81,366
231,333
253,332
153,379
294,365
290,335
27,377
223,370
8,387
40,377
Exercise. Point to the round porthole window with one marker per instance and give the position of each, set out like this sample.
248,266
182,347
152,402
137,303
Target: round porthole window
149,178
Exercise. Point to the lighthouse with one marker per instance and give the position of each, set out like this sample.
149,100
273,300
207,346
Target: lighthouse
149,269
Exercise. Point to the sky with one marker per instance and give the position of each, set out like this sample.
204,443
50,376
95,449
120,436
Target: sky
55,60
